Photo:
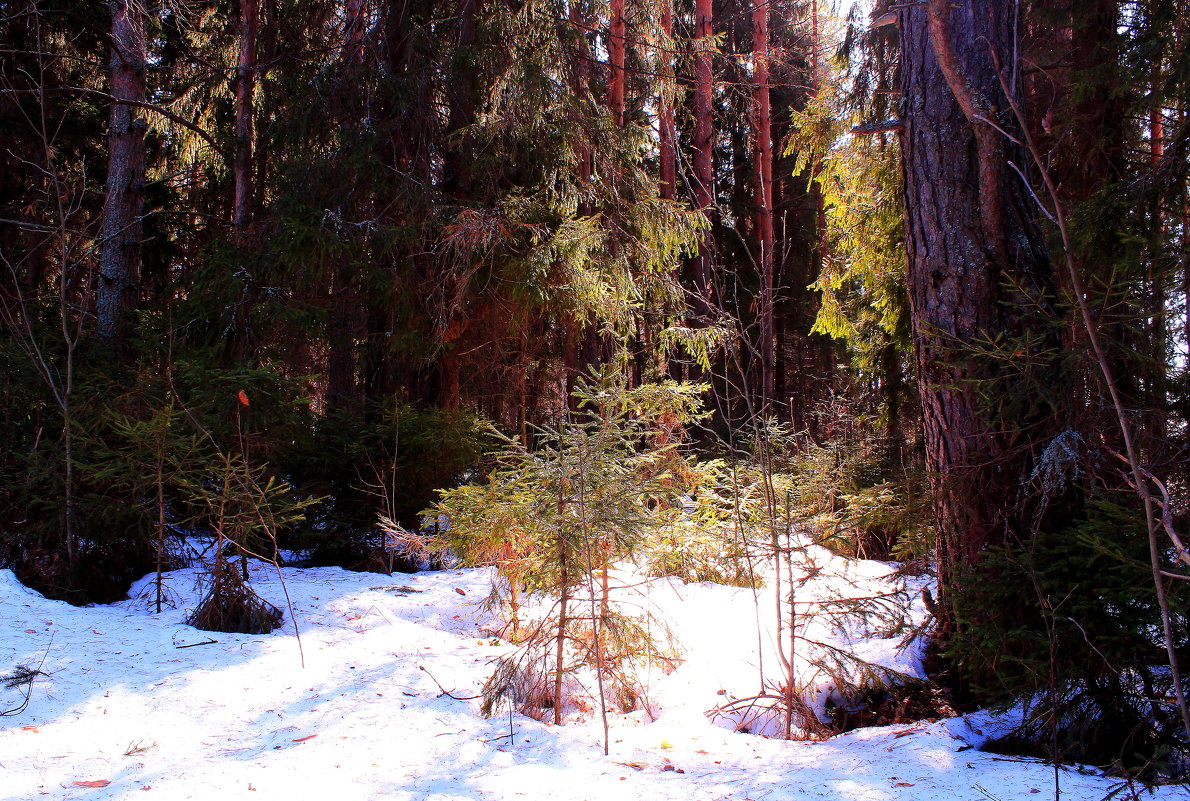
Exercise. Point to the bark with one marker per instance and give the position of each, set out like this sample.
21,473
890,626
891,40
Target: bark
245,86
763,158
1186,263
617,31
354,40
704,176
119,253
666,130
970,235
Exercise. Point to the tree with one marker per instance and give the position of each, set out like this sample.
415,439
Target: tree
119,258
703,146
245,87
763,156
978,276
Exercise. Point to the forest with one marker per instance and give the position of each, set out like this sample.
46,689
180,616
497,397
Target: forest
557,286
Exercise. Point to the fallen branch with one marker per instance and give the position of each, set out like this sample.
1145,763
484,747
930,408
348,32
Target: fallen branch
24,676
445,691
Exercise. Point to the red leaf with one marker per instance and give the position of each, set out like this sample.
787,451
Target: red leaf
29,728
307,737
903,784
96,783
243,396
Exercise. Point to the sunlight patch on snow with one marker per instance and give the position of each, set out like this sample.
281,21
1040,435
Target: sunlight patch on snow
143,701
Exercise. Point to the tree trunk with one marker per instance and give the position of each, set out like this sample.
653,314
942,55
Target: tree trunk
617,31
666,131
245,87
353,43
704,174
763,157
970,234
119,253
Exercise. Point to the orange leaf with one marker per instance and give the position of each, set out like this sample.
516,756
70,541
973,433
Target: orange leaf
96,783
633,765
903,784
29,728
243,396
307,737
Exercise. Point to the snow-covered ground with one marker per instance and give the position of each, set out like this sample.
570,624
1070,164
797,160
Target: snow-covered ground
133,704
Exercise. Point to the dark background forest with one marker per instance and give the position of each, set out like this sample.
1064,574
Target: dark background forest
272,267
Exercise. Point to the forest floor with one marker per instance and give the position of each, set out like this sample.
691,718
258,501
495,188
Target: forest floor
129,703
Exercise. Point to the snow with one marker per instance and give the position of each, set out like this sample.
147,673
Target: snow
160,710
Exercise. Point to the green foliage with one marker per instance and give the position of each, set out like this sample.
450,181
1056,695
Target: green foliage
585,482
555,520
390,465
1082,640
852,500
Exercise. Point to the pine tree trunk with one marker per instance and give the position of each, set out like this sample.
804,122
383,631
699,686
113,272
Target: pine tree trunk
970,231
245,87
119,253
704,174
354,40
763,157
616,41
666,130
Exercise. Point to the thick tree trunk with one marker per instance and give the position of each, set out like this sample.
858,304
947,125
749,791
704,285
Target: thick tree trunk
245,87
119,253
763,158
970,234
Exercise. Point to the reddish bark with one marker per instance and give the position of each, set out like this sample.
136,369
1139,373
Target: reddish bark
617,31
353,45
119,253
970,234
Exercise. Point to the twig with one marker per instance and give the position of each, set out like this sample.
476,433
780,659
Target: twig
445,691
